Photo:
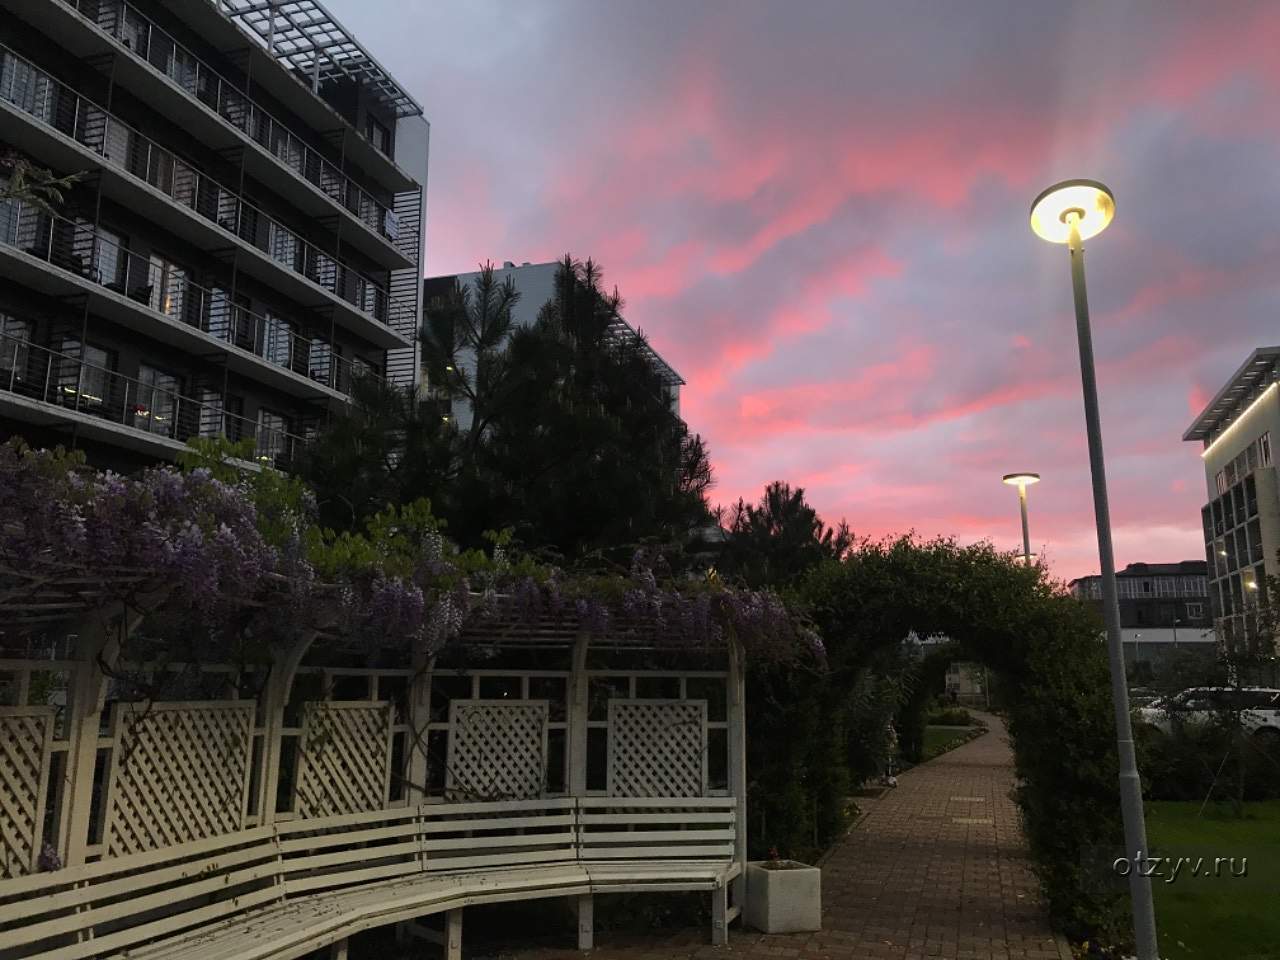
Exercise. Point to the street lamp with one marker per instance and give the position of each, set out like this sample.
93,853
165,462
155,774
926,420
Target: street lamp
1072,212
1022,481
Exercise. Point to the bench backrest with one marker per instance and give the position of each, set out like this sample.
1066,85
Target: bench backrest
109,906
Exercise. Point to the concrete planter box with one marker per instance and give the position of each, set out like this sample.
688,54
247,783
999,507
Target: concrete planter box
783,901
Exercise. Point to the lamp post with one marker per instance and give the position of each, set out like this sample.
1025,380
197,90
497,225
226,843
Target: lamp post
1071,212
1022,481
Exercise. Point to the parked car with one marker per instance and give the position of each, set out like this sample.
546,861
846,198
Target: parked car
1259,709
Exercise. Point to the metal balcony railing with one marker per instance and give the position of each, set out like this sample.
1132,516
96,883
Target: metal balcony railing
167,289
39,95
66,381
151,44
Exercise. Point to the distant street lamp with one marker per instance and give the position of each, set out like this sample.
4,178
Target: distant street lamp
1072,212
1022,481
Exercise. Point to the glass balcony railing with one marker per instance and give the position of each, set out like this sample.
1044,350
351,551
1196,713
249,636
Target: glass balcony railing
45,99
148,42
66,381
167,289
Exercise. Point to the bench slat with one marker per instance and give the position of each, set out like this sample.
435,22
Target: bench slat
648,836
294,844
449,826
563,838
358,855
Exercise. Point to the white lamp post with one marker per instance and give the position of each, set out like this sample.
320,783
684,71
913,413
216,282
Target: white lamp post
1071,212
1022,481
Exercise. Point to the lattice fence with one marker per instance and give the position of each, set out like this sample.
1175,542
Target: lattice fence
25,733
179,772
345,761
657,748
497,749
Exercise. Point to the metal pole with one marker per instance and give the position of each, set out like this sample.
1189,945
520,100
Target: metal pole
1026,536
1135,830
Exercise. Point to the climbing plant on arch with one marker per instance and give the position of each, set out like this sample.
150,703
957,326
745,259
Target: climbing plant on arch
1044,647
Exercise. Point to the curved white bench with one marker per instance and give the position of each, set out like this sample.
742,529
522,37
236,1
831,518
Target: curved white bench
278,892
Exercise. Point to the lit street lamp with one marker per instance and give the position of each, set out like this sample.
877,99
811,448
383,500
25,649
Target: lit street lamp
1072,212
1022,481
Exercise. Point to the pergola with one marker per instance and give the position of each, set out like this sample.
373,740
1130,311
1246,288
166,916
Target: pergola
526,759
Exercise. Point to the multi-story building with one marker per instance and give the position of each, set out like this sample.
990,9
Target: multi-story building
1164,608
536,285
245,238
1241,521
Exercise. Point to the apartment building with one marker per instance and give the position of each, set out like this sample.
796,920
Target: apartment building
1241,520
245,238
1164,609
536,284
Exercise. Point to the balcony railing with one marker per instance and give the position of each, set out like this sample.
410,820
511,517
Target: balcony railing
167,289
153,45
66,381
52,103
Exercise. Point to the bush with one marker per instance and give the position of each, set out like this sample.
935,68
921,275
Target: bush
951,717
1198,761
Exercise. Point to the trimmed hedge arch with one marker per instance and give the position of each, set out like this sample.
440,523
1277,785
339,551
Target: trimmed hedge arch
1044,647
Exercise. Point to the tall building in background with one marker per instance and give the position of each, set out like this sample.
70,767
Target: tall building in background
1164,608
245,240
1241,521
536,284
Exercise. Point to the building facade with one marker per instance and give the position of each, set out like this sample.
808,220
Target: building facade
244,239
536,285
1164,608
1241,520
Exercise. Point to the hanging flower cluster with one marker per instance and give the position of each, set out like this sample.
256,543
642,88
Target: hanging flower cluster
244,557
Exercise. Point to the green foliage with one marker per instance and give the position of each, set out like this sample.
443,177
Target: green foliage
31,184
1042,644
777,541
950,717
930,673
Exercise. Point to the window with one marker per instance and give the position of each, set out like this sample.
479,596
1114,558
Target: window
211,418
83,374
320,362
109,259
166,288
1195,611
377,134
272,428
277,340
1221,481
155,407
1264,449
15,345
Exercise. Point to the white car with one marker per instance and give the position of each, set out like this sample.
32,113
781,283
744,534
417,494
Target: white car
1259,709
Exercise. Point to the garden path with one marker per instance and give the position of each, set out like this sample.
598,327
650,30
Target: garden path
936,869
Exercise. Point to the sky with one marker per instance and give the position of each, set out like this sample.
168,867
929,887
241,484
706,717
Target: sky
818,213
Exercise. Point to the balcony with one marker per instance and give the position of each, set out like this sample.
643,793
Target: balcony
76,133
158,69
162,301
44,386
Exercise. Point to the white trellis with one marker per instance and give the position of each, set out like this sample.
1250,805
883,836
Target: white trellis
344,762
498,748
657,748
25,735
552,776
180,772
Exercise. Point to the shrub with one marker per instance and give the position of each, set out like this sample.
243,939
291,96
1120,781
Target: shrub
951,717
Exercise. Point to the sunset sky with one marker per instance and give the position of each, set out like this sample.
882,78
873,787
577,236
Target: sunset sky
818,213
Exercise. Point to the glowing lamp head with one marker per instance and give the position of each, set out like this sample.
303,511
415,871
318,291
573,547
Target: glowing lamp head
1089,201
1021,479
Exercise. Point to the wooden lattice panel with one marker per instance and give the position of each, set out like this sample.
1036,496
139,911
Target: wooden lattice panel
179,772
657,748
497,749
25,733
345,761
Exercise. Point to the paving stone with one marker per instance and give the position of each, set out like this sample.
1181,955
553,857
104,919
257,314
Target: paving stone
937,870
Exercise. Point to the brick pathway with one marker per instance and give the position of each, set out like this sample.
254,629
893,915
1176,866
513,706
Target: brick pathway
936,869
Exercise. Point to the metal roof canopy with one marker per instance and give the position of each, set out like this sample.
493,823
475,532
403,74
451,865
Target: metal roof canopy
623,332
304,36
1257,371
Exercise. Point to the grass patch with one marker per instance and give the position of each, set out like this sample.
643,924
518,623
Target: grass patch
1210,916
938,740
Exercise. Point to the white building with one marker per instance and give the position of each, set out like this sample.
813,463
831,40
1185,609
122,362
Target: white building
1241,521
